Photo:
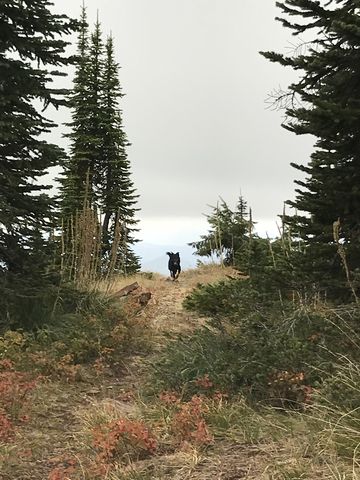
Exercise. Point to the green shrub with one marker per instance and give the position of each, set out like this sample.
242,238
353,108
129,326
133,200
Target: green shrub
96,329
223,299
246,360
263,348
33,313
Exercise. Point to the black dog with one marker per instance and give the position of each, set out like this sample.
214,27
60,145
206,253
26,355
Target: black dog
174,264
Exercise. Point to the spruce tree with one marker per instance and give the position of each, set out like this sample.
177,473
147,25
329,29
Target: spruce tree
116,191
83,169
98,169
229,234
325,103
94,99
77,166
31,46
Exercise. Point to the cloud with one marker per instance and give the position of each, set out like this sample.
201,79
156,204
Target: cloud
195,109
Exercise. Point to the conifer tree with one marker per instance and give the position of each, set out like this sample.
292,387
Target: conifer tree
98,169
116,191
229,234
31,45
77,166
325,103
94,99
83,169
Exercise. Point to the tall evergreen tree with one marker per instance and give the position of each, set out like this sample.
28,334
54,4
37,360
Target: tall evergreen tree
95,133
31,46
77,166
83,169
116,190
98,168
327,106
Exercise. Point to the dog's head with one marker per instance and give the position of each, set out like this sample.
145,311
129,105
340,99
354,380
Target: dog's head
174,258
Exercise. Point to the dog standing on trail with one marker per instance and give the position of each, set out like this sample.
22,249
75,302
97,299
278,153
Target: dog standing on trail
174,264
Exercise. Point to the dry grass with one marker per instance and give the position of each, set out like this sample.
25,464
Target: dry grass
147,281
156,282
209,273
285,454
105,410
164,311
248,444
235,452
46,436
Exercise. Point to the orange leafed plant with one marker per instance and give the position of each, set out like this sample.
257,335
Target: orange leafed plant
14,389
189,424
124,437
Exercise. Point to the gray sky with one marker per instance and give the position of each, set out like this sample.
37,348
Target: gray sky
195,109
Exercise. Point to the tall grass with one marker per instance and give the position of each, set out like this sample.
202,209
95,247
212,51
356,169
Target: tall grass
85,256
335,414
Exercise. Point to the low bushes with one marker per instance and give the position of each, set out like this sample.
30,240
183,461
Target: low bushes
264,351
112,436
269,350
98,332
15,388
121,438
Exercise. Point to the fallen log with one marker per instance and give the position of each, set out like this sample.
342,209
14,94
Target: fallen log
125,290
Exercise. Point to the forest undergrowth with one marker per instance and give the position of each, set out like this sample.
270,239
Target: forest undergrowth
129,391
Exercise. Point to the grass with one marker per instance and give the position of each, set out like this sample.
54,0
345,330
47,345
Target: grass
147,280
202,436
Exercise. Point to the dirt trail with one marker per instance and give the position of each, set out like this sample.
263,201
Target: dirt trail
51,436
166,311
64,413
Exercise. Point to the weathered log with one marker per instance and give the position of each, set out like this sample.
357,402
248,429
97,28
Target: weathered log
125,290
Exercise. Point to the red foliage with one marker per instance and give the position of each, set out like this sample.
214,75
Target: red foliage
189,424
124,436
65,467
204,382
169,398
14,389
6,428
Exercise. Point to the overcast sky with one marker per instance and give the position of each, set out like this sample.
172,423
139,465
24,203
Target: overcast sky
195,108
